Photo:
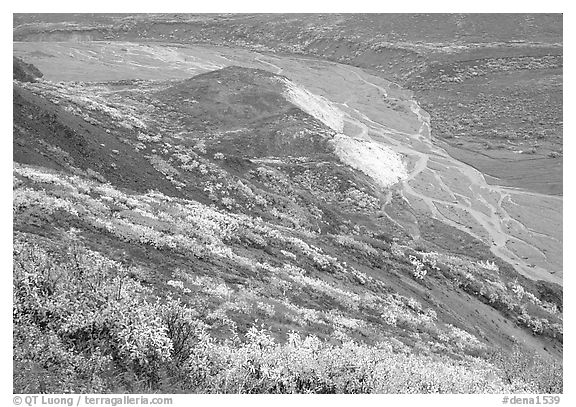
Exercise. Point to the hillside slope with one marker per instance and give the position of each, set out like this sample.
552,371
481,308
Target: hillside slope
208,235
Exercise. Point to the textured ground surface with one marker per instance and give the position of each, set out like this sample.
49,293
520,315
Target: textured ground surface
264,186
365,107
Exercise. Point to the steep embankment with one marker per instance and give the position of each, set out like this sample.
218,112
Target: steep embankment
377,161
439,186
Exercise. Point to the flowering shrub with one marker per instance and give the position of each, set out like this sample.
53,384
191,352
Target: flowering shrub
163,166
397,250
431,259
25,197
309,365
419,270
179,285
347,298
76,96
489,265
361,199
84,306
350,242
518,290
396,309
528,373
85,319
267,309
463,339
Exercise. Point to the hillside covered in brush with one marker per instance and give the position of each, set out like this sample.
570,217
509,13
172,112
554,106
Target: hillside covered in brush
217,234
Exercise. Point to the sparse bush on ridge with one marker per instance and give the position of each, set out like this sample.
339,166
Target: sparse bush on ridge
350,242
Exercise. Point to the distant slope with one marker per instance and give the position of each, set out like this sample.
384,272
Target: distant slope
491,82
24,72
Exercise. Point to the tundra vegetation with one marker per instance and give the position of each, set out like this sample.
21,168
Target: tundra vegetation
207,235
